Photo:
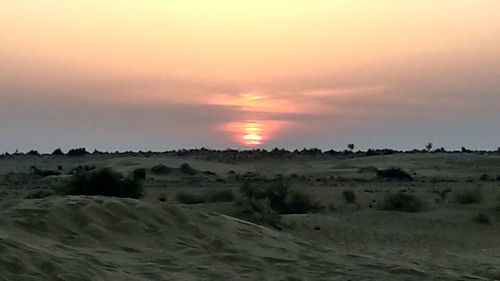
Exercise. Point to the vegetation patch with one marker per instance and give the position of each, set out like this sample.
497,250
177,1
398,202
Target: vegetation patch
402,202
187,169
81,169
77,152
484,177
105,182
162,197
469,196
263,213
349,196
394,174
281,198
482,218
44,173
185,197
160,169
139,174
225,195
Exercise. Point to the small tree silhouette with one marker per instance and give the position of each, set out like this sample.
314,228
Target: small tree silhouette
350,146
428,147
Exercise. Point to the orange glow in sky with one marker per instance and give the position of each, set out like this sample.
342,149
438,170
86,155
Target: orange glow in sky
255,102
254,132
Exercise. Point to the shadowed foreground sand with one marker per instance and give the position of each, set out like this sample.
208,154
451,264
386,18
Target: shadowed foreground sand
96,238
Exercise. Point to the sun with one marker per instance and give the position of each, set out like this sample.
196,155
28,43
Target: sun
252,139
252,133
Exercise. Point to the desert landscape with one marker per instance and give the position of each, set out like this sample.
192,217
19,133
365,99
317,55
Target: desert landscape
281,140
211,215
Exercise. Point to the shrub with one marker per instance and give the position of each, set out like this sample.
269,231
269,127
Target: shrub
225,195
247,189
160,169
349,196
402,202
57,151
484,177
187,169
162,198
297,202
44,173
190,198
469,197
139,174
482,218
81,169
209,173
105,182
263,213
275,193
77,152
33,152
394,174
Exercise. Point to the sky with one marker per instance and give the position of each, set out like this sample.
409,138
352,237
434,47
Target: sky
162,75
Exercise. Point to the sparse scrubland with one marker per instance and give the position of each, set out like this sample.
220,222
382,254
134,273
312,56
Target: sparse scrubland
229,215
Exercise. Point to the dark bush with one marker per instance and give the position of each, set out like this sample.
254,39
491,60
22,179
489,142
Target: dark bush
81,169
139,174
190,198
394,174
77,152
263,213
280,197
469,196
402,202
160,169
162,198
225,195
484,177
349,196
44,173
209,173
247,189
105,182
187,169
57,152
482,218
276,193
33,152
297,202
60,168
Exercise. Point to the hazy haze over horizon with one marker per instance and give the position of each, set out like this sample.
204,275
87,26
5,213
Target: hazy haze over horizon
160,75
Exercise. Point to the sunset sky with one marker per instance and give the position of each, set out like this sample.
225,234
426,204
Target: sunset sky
160,75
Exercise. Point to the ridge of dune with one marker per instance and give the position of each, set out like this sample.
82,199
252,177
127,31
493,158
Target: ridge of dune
97,238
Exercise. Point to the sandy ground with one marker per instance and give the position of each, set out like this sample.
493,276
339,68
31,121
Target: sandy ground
98,238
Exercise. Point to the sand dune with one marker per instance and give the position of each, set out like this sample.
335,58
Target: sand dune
96,238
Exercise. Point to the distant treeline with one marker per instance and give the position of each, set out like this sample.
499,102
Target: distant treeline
234,154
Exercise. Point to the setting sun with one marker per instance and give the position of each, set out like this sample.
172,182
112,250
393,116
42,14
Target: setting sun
255,132
252,137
